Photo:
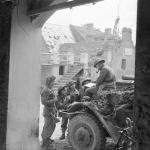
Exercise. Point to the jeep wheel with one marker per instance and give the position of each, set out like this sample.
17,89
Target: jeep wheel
85,133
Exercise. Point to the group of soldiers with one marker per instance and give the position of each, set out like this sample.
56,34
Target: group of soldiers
66,95
53,102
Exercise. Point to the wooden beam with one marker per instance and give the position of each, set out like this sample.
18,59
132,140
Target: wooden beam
142,77
63,5
5,30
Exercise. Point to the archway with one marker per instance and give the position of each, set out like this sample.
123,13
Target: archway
12,77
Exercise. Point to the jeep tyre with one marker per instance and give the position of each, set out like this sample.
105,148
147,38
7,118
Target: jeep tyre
85,133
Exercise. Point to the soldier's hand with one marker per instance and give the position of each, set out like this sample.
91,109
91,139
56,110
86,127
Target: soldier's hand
68,97
55,100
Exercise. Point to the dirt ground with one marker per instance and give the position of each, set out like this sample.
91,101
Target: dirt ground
63,144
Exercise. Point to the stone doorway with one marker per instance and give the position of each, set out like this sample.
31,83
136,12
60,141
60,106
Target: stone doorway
61,70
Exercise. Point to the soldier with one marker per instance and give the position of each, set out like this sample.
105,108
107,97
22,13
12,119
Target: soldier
83,88
48,100
73,92
106,79
86,81
62,104
78,84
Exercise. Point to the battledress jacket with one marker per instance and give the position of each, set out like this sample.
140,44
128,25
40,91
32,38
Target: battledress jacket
64,101
106,78
60,104
74,96
47,99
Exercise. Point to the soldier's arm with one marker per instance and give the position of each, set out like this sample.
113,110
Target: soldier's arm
59,104
67,101
101,77
72,97
46,100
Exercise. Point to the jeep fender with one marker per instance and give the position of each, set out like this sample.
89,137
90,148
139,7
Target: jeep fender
79,107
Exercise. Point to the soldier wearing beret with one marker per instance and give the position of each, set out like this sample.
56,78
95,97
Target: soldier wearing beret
48,99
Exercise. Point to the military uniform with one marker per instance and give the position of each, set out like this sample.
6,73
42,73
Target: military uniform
83,88
72,93
62,103
106,78
74,96
105,81
49,113
47,99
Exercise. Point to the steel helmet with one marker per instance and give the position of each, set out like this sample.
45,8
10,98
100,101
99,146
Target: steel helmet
61,88
97,61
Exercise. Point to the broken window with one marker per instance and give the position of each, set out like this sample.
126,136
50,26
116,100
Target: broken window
123,65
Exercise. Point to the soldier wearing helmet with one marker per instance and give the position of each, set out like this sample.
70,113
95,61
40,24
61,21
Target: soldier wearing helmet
48,100
106,79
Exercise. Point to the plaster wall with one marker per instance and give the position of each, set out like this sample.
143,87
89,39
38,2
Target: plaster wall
24,82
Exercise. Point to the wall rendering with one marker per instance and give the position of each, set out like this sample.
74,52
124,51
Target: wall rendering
24,82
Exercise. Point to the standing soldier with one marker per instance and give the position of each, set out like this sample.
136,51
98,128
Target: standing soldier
48,100
61,105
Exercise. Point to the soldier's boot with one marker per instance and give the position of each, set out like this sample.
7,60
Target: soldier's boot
47,144
63,135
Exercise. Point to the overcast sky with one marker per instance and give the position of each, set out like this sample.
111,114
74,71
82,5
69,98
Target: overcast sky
102,15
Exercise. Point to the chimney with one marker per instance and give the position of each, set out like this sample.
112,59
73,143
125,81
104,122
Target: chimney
107,34
126,34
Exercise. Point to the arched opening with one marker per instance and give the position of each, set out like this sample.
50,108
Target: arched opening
81,41
26,45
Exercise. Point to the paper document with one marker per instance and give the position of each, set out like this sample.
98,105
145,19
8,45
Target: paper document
90,85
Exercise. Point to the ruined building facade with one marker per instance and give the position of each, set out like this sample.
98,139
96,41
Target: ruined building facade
83,44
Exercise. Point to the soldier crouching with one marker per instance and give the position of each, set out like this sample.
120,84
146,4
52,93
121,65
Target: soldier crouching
48,100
